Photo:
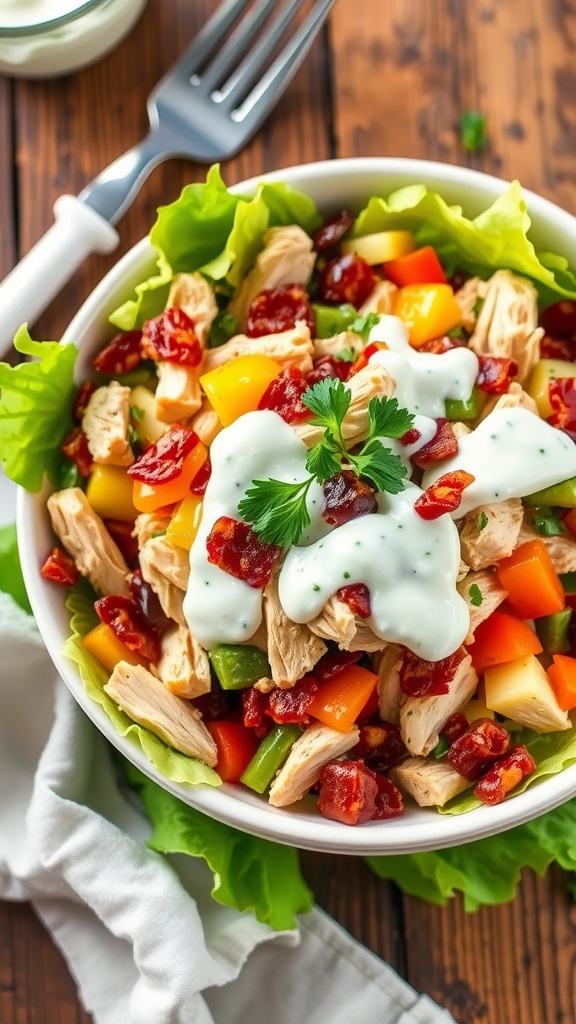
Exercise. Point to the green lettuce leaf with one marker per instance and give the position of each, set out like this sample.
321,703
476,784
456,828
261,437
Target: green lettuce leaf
249,873
496,238
172,764
35,403
11,579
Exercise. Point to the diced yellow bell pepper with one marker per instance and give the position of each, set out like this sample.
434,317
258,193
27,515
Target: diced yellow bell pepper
109,493
183,526
428,310
149,497
380,247
236,387
538,384
143,415
103,643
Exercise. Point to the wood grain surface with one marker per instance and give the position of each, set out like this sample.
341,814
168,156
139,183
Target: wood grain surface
384,79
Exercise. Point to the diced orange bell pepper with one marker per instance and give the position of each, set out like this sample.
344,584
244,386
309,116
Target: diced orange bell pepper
184,524
562,675
531,580
339,700
149,497
103,643
428,310
236,387
501,638
236,746
420,267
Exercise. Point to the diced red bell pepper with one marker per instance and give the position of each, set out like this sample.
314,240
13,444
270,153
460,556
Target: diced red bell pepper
236,746
60,568
500,638
419,267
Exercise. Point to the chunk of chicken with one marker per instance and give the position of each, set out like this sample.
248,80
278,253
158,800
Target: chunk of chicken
149,524
168,579
289,348
346,340
146,700
88,542
312,750
470,298
421,718
338,622
193,294
293,649
514,398
508,322
492,594
387,664
372,381
105,423
183,667
381,299
429,783
490,532
206,423
287,258
178,395
562,549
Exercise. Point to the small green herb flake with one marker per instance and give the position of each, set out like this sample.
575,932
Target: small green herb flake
473,135
548,523
482,521
475,595
346,355
364,324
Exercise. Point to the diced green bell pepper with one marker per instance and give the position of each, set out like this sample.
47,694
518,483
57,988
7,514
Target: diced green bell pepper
269,757
332,320
562,494
554,632
463,409
238,666
568,581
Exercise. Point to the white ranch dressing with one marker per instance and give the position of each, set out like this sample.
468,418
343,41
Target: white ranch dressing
511,453
409,566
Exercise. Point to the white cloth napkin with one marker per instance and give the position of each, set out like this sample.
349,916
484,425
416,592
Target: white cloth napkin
142,936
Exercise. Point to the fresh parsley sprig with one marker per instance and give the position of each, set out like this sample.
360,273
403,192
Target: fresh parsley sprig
278,510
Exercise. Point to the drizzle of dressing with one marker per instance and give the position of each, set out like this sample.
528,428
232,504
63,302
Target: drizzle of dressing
511,453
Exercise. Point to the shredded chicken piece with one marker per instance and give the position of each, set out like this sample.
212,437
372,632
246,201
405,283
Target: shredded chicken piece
206,423
338,622
149,524
178,395
429,783
562,549
421,718
288,348
293,649
146,700
372,381
287,258
387,664
381,299
166,570
193,294
514,398
492,594
460,429
183,667
312,750
508,322
105,423
88,542
337,343
490,532
470,298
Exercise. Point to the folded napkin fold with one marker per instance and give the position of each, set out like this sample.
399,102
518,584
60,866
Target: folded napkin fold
143,938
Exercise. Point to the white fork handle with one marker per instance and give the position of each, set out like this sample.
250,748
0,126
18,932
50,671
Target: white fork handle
36,280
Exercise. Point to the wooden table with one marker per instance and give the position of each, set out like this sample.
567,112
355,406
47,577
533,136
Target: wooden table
385,79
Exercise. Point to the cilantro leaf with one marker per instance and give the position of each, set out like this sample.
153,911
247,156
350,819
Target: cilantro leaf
387,419
475,595
324,458
381,466
346,355
482,522
277,510
548,523
329,400
362,325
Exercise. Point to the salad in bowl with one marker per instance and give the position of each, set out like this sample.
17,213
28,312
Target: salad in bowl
306,514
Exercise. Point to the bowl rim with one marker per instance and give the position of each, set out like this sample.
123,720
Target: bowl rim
418,830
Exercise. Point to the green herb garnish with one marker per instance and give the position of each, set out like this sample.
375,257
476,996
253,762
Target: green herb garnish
473,131
482,521
364,324
346,355
136,413
278,511
475,595
547,522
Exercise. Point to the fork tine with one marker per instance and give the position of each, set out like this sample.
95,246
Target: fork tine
251,66
233,49
207,40
258,104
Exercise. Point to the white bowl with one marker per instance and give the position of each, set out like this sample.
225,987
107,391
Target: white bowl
333,185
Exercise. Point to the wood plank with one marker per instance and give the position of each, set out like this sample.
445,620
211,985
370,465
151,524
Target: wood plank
7,198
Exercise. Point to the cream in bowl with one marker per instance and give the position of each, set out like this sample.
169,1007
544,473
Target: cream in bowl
320,482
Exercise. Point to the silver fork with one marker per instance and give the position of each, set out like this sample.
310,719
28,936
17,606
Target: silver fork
205,108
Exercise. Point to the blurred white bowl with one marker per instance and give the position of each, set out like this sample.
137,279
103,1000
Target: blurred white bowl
333,185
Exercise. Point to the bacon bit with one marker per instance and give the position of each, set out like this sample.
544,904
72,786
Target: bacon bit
163,460
456,726
121,355
443,496
380,746
444,445
437,346
284,395
328,366
558,348
200,481
278,309
366,354
562,394
419,678
147,602
75,447
496,374
357,597
346,278
122,535
346,497
559,319
254,707
389,802
505,774
476,748
60,568
332,231
333,662
289,707
171,337
410,437
83,396
236,549
352,793
129,625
